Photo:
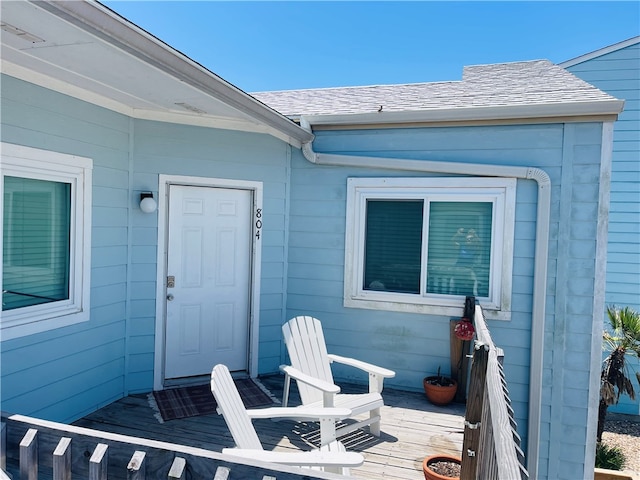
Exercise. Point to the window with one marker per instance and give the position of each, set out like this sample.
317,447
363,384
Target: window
423,244
46,206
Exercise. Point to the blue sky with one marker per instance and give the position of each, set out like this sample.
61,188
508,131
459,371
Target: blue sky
284,45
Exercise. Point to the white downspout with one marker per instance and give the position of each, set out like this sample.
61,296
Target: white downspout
540,259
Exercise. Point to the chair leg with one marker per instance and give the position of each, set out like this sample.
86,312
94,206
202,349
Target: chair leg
285,391
374,428
335,469
327,430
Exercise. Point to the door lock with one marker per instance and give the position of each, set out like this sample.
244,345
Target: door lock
171,281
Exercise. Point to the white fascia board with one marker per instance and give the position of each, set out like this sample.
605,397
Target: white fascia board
105,24
215,122
600,52
528,112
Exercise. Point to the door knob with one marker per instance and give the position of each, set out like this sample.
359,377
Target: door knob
170,297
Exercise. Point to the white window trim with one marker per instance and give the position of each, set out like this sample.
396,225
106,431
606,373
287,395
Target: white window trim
27,162
500,191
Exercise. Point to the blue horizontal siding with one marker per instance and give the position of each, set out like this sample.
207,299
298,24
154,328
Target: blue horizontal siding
625,71
128,157
618,73
415,345
56,374
162,148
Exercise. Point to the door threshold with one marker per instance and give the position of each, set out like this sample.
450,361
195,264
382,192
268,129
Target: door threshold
186,381
198,380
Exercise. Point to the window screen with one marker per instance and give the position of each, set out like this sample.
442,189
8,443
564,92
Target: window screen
36,242
459,248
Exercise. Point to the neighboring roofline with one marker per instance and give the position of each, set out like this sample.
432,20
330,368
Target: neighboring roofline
104,23
576,110
600,52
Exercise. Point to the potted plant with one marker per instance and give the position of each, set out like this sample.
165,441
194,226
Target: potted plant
439,389
441,467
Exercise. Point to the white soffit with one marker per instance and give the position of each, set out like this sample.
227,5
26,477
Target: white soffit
60,55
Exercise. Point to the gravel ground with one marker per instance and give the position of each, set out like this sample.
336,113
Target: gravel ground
624,431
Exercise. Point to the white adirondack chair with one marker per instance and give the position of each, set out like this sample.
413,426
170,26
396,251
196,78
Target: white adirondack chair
331,457
311,368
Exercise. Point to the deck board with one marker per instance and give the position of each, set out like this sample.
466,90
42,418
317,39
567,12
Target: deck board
412,428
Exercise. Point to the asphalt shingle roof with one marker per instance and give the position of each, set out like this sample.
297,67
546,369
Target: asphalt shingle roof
537,82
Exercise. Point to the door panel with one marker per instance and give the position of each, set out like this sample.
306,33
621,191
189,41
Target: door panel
209,252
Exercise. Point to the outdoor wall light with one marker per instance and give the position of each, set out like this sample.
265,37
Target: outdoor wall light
147,202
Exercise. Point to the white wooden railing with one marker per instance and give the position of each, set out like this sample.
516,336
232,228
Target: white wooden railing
491,445
34,449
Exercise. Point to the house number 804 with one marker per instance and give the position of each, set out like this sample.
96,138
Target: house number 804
258,222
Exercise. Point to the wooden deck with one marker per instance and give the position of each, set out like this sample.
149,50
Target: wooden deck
412,428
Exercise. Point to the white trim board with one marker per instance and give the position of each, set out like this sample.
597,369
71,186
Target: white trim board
598,53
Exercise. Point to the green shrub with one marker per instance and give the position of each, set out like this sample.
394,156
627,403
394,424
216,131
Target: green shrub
610,458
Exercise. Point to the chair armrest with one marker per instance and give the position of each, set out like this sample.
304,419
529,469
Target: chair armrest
313,458
367,367
326,416
316,413
309,380
376,374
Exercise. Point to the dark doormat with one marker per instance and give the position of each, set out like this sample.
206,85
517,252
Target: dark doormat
197,400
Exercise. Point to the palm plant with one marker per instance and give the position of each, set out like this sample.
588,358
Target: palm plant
621,340
611,458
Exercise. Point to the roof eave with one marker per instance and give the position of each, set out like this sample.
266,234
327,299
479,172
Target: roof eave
600,52
577,111
104,23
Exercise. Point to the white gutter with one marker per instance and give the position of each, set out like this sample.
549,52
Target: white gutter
540,259
477,113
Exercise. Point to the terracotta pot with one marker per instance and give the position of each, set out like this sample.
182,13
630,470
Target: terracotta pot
430,474
439,394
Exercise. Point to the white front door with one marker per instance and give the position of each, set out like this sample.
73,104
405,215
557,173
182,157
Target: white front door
208,280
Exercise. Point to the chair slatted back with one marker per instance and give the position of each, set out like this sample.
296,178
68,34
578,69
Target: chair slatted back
232,409
308,353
